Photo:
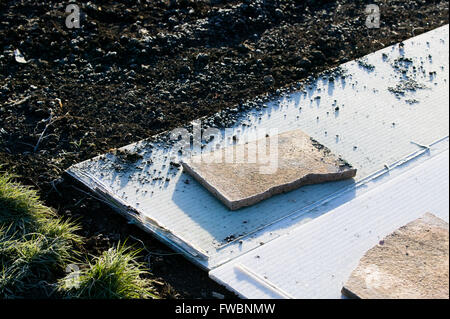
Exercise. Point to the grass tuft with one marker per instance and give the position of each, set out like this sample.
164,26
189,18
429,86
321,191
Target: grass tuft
116,274
24,213
35,246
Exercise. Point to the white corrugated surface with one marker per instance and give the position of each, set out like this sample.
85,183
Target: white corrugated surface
315,259
370,117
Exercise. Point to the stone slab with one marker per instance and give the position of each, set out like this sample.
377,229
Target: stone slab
283,163
410,263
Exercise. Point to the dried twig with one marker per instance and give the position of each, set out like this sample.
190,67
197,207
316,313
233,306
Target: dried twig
21,101
49,120
54,187
90,195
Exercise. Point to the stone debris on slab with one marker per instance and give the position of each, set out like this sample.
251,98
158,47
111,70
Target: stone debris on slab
290,160
410,263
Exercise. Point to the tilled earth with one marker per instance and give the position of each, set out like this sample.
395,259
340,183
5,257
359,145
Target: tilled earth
136,68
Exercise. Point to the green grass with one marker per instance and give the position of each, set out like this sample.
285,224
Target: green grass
116,274
36,246
24,213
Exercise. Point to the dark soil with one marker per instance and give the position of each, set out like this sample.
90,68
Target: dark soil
133,70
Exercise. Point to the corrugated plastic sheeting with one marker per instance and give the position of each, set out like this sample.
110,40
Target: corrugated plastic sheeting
316,259
380,124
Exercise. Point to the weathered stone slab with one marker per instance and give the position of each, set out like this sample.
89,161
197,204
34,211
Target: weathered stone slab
412,262
260,169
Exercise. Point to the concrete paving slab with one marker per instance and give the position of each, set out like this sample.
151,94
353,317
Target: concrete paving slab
412,263
260,169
